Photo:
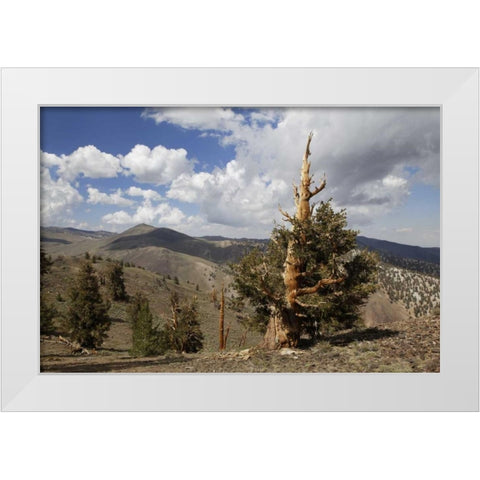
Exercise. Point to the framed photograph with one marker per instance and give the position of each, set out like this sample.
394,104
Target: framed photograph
240,239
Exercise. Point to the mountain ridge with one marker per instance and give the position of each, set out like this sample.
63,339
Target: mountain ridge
215,248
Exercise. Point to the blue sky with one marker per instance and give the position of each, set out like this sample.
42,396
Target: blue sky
224,171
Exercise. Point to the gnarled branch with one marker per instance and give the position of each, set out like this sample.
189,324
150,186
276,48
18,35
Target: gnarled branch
307,149
320,284
296,195
319,188
307,305
287,216
308,273
263,287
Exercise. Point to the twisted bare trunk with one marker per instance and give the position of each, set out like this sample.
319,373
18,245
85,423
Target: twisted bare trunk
222,340
283,329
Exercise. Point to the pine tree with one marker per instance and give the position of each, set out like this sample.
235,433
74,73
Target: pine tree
116,282
312,278
45,262
87,318
146,339
182,332
47,313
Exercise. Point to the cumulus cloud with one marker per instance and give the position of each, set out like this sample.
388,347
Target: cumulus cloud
88,160
231,196
368,155
162,214
220,119
146,194
116,198
159,165
57,199
372,157
371,200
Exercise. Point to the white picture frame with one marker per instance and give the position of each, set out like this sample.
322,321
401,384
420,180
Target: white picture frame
455,388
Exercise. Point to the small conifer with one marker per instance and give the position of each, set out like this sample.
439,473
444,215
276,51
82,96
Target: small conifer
116,283
87,318
146,339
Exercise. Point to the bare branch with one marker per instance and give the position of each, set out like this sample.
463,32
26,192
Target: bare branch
307,305
75,346
307,150
308,273
296,195
320,284
319,188
287,216
263,287
269,294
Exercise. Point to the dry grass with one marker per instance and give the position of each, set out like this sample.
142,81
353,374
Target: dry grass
407,345
158,291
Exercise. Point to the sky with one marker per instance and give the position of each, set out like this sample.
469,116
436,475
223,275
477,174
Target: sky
225,171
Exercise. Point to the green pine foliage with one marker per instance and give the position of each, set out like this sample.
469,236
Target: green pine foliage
47,311
87,316
326,248
47,314
45,262
146,338
116,282
180,334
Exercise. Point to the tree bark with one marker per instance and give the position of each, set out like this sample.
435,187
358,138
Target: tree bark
281,332
75,346
222,339
283,329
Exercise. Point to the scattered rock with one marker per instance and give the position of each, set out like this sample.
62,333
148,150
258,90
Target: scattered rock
289,351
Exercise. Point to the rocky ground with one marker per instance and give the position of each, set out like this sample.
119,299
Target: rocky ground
408,345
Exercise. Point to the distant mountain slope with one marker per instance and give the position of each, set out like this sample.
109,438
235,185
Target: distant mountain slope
67,236
137,230
219,238
179,242
216,249
430,254
61,231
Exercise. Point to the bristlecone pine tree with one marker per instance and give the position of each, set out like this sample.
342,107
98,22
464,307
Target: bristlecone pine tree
87,318
47,310
312,278
116,283
182,332
45,262
146,339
